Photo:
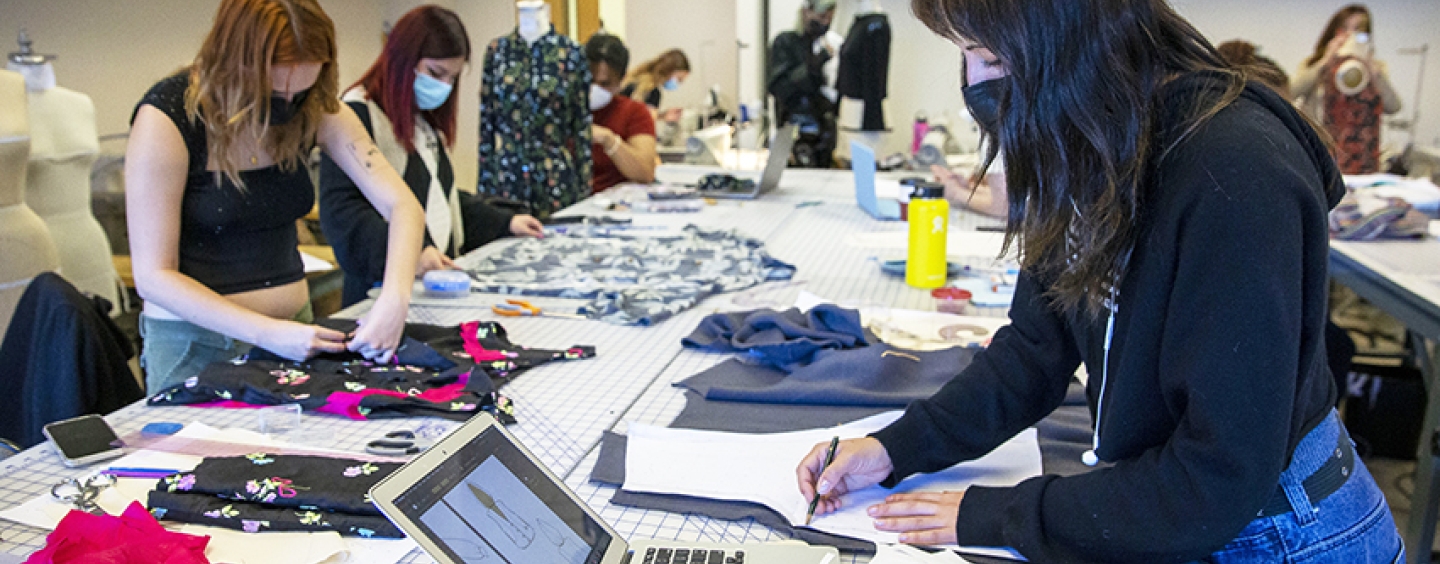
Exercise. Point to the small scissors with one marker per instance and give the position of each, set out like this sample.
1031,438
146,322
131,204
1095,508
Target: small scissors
522,308
398,443
82,494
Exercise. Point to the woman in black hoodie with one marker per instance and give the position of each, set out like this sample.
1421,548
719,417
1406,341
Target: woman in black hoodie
1171,221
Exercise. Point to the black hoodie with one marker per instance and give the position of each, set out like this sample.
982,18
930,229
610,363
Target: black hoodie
1217,367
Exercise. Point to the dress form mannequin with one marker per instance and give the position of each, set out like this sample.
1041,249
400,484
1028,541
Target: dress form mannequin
63,147
851,116
25,246
867,7
534,19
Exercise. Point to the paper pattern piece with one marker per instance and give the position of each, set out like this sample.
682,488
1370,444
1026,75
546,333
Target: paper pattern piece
761,469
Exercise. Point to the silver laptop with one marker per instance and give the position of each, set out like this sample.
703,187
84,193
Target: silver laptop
479,496
780,147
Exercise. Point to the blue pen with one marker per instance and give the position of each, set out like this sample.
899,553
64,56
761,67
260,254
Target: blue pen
166,471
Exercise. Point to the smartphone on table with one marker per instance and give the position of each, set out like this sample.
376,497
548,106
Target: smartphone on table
83,440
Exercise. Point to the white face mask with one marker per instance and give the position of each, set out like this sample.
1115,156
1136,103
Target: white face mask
599,97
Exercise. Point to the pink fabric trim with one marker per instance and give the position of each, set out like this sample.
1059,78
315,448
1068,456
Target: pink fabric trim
348,403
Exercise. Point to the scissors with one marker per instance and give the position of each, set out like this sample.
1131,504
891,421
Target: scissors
82,494
398,443
522,308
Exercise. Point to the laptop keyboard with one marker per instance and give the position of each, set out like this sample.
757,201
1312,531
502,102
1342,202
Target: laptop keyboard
692,556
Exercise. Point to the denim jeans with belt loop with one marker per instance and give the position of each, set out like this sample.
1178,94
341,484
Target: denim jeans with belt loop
1353,524
175,349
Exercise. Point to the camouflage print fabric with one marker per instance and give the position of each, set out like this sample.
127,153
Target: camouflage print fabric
630,279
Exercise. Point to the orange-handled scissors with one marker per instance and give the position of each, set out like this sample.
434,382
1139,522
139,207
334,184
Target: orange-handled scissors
522,308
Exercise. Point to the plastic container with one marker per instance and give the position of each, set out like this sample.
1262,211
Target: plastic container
925,265
952,300
447,284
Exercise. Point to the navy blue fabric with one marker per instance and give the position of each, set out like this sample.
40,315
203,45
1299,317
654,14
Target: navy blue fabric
876,376
783,339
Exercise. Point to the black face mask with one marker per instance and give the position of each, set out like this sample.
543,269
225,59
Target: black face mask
282,110
815,28
983,101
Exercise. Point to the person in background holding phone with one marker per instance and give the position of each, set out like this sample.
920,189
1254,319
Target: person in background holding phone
623,130
216,170
406,104
1351,117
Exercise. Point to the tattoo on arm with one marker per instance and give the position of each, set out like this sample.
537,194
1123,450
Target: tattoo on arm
366,155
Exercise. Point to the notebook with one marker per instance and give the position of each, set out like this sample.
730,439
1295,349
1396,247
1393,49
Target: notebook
862,163
479,496
780,147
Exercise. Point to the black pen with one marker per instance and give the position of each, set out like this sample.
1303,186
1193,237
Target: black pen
829,457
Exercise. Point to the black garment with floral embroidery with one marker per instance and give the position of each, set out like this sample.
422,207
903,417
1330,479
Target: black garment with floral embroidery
535,122
435,374
277,492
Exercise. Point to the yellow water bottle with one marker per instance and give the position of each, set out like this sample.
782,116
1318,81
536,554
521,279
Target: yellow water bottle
929,214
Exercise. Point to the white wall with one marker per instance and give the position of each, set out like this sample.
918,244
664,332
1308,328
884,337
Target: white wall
114,51
1397,24
703,29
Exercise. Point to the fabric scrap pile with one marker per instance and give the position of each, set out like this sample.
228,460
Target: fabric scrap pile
629,279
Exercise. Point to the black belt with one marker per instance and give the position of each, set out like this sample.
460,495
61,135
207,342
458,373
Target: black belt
1320,484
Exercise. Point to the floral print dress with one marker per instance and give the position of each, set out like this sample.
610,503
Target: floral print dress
535,122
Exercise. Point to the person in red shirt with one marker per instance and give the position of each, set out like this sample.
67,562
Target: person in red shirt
623,130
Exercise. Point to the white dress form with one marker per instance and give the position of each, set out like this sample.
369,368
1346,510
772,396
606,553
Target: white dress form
25,246
63,147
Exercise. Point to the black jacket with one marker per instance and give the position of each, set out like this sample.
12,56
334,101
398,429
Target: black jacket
865,67
360,235
1216,371
62,357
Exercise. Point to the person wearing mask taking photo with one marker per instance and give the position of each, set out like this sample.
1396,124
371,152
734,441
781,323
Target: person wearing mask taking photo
406,103
802,90
623,130
1343,86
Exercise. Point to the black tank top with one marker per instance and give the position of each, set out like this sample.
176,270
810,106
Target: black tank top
233,240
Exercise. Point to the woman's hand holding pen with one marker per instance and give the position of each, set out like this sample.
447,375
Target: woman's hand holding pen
859,463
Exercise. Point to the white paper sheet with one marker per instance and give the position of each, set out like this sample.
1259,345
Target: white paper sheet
760,468
902,554
226,545
315,264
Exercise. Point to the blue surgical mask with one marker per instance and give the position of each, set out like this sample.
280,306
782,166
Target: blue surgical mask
672,84
430,92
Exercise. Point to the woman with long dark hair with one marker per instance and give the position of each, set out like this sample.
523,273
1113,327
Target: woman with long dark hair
1348,97
405,102
1170,216
216,178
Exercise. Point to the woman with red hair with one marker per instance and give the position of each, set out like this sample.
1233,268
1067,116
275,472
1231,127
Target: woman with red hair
216,179
405,102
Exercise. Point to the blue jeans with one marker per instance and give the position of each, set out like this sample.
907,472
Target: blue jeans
1351,525
176,349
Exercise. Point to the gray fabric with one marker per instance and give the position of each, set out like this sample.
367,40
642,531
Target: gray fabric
1063,435
630,280
873,376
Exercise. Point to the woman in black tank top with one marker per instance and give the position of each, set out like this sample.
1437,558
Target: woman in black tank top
216,179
